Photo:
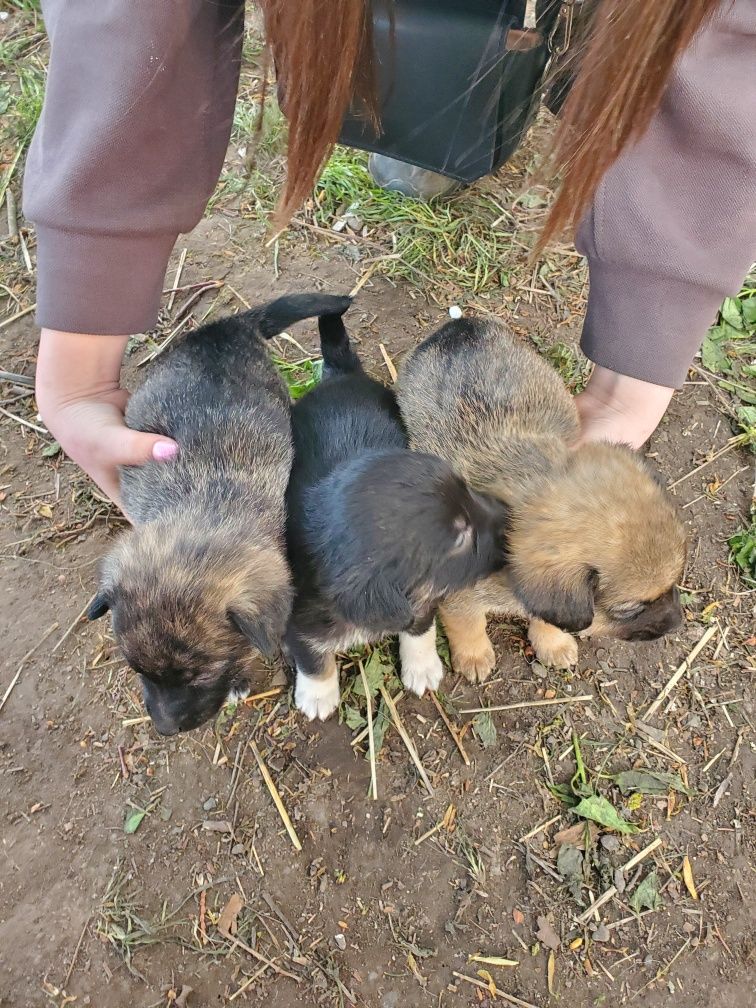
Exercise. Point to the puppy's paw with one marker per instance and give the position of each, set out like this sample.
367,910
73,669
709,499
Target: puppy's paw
316,697
552,646
422,669
475,665
422,673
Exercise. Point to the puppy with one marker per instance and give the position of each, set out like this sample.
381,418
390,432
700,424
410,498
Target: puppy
595,543
377,534
202,581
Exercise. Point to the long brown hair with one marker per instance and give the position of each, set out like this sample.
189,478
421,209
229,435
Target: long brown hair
321,50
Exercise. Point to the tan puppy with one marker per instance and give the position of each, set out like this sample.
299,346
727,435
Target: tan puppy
595,546
201,584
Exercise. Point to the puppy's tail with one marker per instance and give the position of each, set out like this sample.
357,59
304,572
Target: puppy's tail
274,317
338,356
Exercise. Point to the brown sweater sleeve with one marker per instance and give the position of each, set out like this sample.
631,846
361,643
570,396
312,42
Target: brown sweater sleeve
672,230
135,124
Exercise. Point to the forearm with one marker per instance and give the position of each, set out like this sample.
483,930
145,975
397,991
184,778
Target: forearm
672,230
136,121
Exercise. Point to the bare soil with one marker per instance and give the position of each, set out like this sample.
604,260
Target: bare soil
364,914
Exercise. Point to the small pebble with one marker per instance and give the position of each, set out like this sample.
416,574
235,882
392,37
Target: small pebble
609,842
340,941
602,933
209,804
238,849
455,312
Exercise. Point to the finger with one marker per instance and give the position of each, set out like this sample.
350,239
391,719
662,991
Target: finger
135,447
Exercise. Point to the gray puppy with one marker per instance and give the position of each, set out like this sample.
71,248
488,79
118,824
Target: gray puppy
202,581
595,543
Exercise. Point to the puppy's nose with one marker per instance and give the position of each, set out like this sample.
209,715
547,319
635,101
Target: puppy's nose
166,728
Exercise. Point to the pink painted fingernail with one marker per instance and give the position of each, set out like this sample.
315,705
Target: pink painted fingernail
164,451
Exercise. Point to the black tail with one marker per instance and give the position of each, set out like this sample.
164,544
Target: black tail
274,317
338,356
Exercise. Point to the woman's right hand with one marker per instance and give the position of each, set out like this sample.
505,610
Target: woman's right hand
81,401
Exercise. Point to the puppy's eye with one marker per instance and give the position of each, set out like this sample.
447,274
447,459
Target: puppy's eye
464,534
628,611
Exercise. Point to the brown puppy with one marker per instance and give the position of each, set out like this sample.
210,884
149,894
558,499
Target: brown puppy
202,583
595,544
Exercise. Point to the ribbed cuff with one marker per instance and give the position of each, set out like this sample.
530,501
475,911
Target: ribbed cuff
645,325
99,283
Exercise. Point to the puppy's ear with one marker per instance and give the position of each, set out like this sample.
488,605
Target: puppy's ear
565,600
262,628
379,603
99,605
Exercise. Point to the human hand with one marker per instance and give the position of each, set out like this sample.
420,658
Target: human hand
81,401
623,410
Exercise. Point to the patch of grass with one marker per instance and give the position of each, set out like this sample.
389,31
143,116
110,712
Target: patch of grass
451,243
567,359
729,348
300,376
743,550
121,924
28,104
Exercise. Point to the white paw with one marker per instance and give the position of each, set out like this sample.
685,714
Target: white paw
316,697
237,693
422,669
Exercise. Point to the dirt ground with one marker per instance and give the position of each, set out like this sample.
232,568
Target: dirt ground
125,856
364,914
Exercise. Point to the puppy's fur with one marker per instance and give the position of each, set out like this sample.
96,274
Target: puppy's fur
202,581
377,534
595,545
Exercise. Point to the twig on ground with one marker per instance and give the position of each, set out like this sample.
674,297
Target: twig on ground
24,660
276,796
681,670
732,443
177,279
17,379
409,744
76,952
450,727
18,315
529,703
540,829
443,823
70,630
611,892
495,991
371,740
24,423
388,362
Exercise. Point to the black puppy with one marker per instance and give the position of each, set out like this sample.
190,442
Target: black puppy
377,535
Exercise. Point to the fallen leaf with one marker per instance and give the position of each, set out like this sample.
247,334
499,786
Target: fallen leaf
493,960
575,835
44,510
649,782
133,820
570,867
546,934
414,969
485,975
227,920
485,729
603,812
575,944
646,896
518,917
687,873
550,967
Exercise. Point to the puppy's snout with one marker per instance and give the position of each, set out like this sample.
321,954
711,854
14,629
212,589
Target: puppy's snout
661,617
